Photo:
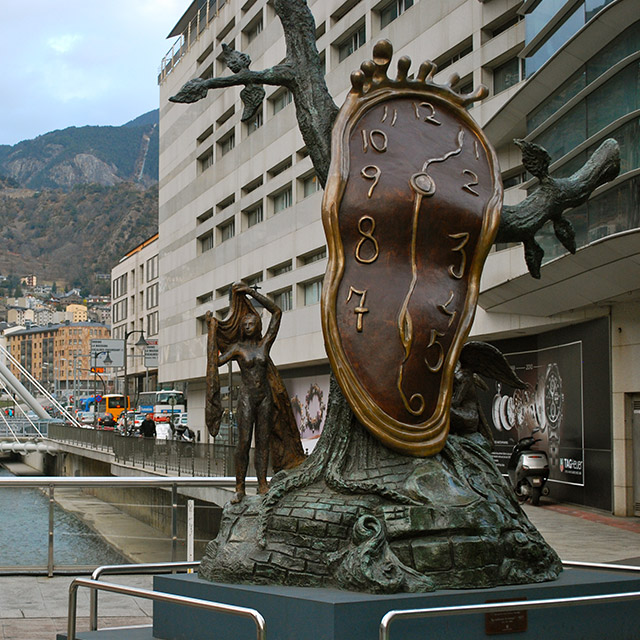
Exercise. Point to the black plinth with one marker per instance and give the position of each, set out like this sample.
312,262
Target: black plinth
325,614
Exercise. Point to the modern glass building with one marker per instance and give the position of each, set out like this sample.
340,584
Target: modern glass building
582,67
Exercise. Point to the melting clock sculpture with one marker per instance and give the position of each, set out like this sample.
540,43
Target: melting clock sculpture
410,210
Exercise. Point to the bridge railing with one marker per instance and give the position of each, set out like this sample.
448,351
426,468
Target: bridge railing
22,427
70,525
161,456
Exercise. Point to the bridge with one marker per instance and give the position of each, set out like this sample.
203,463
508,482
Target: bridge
23,435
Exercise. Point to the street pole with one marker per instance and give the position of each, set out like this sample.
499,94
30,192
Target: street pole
141,343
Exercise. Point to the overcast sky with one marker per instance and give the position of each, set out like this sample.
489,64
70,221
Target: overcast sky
79,62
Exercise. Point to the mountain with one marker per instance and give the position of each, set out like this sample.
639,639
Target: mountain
80,155
74,236
74,201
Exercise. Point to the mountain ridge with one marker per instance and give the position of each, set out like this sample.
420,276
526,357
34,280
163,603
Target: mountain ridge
75,200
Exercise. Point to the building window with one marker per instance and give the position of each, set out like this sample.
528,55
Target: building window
255,123
514,180
227,143
312,292
254,280
350,44
313,256
284,299
453,55
279,269
204,298
206,242
392,11
152,324
281,99
507,75
152,268
119,311
227,230
254,30
254,215
206,159
282,200
120,286
152,296
310,185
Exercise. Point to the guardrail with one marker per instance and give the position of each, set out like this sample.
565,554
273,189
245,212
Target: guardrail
130,569
498,607
23,427
49,485
159,596
206,12
164,456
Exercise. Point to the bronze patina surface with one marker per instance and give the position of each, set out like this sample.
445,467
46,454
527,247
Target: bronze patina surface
410,210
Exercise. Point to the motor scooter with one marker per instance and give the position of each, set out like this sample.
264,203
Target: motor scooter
528,470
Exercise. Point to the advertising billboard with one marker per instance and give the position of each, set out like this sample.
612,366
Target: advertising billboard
567,405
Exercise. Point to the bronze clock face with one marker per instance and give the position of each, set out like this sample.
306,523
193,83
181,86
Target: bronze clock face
410,209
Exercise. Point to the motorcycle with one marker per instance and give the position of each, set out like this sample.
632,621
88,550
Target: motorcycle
528,470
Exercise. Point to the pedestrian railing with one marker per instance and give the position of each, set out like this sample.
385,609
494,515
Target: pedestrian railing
511,606
21,427
49,533
177,457
158,596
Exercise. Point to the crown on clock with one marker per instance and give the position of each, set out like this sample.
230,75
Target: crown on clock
372,75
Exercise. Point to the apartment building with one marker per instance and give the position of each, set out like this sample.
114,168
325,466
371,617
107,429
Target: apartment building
134,310
240,201
57,354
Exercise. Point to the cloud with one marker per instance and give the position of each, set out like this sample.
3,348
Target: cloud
64,43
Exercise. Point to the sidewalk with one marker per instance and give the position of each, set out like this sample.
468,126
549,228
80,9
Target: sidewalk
36,608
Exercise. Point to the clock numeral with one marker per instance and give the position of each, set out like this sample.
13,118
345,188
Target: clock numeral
430,117
433,343
374,174
385,113
476,148
360,310
376,138
446,311
367,236
469,185
464,238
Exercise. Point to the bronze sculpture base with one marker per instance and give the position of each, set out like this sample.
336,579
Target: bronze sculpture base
358,516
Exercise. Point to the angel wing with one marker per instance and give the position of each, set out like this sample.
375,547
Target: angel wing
485,359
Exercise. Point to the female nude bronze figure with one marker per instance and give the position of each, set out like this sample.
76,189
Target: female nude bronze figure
263,402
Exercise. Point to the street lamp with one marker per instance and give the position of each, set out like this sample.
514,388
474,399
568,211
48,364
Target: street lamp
141,343
107,360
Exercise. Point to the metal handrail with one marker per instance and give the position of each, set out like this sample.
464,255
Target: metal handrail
261,625
130,569
133,481
50,483
548,603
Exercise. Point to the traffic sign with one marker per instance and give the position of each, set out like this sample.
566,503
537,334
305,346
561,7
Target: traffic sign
114,349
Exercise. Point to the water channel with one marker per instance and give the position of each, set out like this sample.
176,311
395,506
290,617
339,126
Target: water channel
24,524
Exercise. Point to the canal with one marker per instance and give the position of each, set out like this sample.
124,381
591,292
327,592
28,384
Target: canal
24,523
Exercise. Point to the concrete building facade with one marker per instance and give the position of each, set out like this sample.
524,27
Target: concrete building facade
135,311
240,201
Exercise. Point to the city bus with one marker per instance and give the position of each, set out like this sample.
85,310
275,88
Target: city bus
166,401
112,403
